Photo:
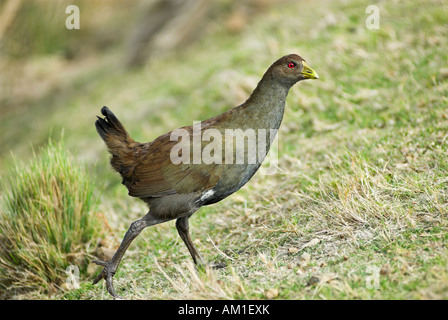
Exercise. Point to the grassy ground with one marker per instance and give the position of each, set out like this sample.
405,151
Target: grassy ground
361,190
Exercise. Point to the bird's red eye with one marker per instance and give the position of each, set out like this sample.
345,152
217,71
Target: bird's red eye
291,65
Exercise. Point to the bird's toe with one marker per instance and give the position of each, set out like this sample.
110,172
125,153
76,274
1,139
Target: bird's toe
107,274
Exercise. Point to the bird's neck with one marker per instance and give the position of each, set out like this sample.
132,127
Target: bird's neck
266,105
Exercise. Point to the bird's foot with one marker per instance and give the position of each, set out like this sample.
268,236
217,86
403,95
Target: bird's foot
107,274
213,265
217,265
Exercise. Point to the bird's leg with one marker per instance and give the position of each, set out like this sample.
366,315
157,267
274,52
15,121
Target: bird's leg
110,267
182,226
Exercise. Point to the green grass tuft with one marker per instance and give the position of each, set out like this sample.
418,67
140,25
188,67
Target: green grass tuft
48,221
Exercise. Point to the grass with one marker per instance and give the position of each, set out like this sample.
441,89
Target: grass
48,222
362,172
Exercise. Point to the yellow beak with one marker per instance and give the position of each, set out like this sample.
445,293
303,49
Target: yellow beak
308,73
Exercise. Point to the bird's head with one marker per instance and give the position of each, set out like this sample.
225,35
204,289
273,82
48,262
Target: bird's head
290,69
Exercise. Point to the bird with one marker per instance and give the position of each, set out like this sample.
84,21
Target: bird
177,173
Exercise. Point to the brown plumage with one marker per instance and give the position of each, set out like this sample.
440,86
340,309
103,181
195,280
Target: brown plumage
177,190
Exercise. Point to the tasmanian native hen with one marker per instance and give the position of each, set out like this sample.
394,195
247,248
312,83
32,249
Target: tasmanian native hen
178,173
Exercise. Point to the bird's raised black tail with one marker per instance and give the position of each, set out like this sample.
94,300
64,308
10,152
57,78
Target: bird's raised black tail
110,126
118,141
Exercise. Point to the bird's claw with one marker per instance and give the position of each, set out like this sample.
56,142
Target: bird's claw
107,274
217,265
201,266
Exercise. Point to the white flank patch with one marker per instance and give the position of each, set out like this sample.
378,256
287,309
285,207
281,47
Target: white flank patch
207,194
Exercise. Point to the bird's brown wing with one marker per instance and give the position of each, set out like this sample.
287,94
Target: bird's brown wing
155,175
